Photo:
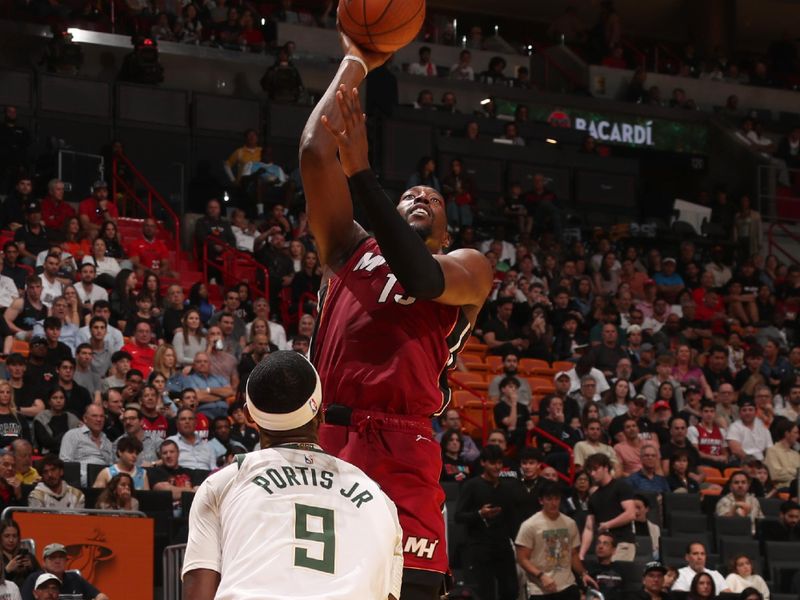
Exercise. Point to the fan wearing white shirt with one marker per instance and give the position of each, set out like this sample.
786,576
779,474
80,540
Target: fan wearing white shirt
88,292
696,559
8,289
52,287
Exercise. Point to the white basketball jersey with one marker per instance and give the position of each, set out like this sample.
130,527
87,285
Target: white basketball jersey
295,522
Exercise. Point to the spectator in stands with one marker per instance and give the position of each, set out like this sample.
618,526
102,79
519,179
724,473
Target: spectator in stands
451,420
637,90
33,237
10,267
23,459
87,444
171,477
788,149
611,507
190,338
149,252
114,249
97,209
195,452
454,467
593,444
106,268
212,389
739,502
12,211
55,210
118,494
696,559
511,134
664,369
748,436
709,438
787,528
100,343
782,460
51,424
19,561
485,507
424,66
646,479
221,442
23,313
547,549
463,68
510,369
142,352
87,291
52,491
494,75
128,450
741,576
13,426
654,583
282,81
542,207
643,526
132,423
459,191
702,588
501,334
10,486
679,476
511,415
610,580
212,224
629,450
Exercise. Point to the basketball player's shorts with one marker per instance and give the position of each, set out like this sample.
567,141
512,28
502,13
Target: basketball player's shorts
400,454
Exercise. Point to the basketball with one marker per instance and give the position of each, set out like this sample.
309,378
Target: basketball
381,25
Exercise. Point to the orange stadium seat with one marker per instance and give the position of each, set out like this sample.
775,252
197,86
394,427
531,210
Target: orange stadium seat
495,363
476,346
473,362
562,365
474,381
473,418
459,398
527,365
20,346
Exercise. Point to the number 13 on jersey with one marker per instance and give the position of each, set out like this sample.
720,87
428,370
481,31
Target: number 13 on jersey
315,525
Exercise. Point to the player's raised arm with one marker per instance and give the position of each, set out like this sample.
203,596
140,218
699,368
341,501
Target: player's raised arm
328,204
462,278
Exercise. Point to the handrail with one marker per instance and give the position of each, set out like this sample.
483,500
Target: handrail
73,511
775,246
152,193
641,56
541,432
451,380
230,256
574,79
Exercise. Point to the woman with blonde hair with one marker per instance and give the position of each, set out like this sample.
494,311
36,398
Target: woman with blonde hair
165,362
12,426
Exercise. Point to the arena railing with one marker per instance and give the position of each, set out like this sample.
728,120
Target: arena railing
570,476
485,407
120,183
235,266
172,565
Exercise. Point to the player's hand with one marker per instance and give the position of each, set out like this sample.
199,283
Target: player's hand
372,59
352,139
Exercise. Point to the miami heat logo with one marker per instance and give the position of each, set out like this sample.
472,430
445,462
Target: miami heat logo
86,557
558,118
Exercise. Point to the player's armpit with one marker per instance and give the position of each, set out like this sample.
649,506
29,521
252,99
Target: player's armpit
467,278
200,584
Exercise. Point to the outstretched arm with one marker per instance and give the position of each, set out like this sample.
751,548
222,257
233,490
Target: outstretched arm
461,278
328,204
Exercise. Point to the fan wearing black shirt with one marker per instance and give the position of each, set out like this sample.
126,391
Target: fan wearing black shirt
611,507
170,477
486,507
787,528
609,580
636,410
78,397
56,350
39,375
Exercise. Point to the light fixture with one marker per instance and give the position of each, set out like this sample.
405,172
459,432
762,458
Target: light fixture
551,141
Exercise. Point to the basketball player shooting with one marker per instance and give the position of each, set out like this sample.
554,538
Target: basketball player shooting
395,311
290,521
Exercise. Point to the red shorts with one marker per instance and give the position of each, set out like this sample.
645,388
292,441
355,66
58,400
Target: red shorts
400,454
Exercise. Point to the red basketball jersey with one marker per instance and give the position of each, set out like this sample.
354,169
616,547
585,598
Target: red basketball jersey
376,348
710,442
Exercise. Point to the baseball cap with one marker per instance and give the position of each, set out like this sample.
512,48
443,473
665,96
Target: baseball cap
561,374
693,389
38,339
51,549
669,259
99,184
654,566
639,399
46,578
634,329
646,347
33,207
662,405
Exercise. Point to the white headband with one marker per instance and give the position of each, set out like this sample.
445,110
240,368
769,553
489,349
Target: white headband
286,421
